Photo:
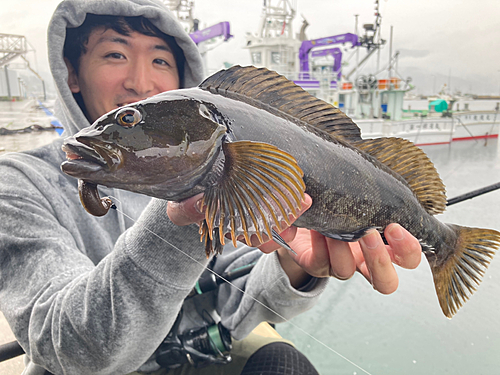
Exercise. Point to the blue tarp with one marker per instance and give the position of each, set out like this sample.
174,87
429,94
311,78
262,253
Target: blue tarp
440,105
55,122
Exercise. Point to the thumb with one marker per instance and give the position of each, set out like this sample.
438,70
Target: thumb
186,212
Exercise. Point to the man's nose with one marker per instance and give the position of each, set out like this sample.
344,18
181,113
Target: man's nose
140,80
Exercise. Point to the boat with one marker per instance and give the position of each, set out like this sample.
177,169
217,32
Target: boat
435,130
374,101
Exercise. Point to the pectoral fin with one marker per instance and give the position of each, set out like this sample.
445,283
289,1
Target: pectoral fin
260,188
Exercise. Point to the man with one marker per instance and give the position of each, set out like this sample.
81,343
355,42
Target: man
99,295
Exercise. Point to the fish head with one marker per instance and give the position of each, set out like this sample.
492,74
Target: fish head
158,147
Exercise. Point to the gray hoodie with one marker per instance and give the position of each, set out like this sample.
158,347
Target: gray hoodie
89,295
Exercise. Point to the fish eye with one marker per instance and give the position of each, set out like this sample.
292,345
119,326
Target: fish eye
128,117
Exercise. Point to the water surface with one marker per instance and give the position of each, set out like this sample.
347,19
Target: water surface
23,115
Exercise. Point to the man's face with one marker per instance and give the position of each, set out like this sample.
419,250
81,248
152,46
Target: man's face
118,69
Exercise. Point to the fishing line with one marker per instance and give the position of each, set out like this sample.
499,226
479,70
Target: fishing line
243,292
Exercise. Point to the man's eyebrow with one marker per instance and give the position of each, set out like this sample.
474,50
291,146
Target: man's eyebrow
163,47
113,39
117,39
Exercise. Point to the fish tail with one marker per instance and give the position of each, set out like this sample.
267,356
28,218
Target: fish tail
457,276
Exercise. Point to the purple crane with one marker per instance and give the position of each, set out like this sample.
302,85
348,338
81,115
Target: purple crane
308,45
219,29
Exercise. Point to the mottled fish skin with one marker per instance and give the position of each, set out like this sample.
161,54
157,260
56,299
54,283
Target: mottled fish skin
212,139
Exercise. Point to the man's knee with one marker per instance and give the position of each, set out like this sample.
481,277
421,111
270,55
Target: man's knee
278,358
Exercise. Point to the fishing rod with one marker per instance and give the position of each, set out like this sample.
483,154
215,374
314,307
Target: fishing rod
473,194
10,350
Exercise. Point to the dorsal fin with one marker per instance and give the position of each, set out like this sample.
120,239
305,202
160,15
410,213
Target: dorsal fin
268,90
411,163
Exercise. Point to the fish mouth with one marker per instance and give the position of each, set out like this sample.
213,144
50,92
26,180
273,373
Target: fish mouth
85,155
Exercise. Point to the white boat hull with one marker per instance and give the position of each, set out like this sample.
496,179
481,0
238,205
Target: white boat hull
435,130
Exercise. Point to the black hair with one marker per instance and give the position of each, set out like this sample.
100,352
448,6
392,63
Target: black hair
78,37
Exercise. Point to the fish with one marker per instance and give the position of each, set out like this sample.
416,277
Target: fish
254,143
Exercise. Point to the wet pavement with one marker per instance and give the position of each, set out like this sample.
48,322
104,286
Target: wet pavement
14,366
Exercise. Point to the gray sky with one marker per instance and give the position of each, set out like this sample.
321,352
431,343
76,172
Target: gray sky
439,41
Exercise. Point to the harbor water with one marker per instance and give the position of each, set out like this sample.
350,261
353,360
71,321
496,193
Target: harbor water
403,333
23,124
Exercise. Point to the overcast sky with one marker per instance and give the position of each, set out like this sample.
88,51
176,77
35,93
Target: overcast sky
456,41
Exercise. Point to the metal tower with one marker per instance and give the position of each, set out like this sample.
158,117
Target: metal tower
12,46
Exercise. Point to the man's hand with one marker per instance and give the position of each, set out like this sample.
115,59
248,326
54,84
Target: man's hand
186,212
321,256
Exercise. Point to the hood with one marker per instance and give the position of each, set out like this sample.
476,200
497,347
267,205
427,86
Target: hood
72,13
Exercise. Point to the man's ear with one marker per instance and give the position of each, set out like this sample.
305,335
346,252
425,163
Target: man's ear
72,77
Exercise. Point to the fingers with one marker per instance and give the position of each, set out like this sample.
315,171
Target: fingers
404,249
189,211
377,265
312,252
374,259
342,262
185,212
320,256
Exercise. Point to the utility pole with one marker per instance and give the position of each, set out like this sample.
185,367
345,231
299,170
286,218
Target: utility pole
357,48
38,76
390,58
499,83
7,80
378,23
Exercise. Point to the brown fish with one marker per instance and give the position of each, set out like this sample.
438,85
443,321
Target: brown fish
254,142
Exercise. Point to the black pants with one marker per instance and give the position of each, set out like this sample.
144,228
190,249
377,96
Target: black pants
278,358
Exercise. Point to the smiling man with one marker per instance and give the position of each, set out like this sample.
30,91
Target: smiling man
88,295
112,65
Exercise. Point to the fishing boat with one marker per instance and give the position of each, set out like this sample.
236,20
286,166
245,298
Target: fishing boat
434,130
375,101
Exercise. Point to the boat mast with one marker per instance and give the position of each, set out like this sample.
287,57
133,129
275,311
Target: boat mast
183,11
274,44
277,19
205,38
